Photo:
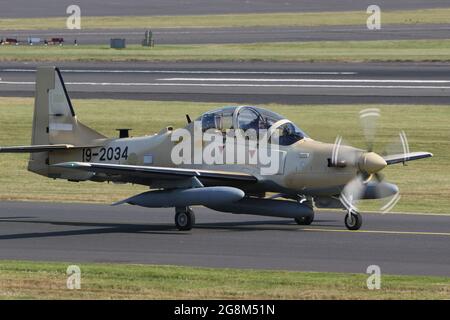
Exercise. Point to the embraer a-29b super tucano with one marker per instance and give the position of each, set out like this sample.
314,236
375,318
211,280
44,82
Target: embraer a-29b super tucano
239,159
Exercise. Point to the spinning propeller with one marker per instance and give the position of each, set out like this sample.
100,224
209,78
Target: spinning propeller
369,183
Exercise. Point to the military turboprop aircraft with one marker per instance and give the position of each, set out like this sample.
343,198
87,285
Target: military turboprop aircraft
307,173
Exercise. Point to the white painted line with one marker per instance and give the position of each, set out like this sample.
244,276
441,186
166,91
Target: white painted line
447,215
416,233
412,213
251,85
191,71
307,80
140,84
17,82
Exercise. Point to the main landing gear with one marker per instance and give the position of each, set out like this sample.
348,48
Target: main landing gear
304,221
353,220
184,218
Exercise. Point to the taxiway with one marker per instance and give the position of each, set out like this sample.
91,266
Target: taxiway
398,243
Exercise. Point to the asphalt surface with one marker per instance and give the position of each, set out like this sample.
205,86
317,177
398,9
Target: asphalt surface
51,8
253,83
398,243
239,35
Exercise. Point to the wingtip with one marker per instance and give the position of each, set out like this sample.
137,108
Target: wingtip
427,154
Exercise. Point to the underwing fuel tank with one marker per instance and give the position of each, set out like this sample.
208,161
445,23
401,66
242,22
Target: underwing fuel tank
267,207
206,196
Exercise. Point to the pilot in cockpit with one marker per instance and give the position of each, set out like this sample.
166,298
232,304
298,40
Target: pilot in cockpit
248,117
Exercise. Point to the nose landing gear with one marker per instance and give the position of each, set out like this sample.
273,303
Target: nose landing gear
353,220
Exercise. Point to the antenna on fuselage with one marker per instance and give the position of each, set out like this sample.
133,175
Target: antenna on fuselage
188,118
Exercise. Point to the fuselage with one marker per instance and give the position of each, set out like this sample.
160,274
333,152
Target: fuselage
303,167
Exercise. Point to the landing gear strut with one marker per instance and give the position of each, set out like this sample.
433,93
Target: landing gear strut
184,218
353,220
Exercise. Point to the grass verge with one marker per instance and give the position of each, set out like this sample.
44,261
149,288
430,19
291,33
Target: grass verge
36,280
437,15
424,184
340,51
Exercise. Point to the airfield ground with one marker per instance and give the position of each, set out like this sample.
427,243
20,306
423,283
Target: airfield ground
390,49
338,51
422,16
39,280
44,232
424,185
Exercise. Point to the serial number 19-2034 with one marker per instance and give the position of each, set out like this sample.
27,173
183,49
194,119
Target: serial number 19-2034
105,154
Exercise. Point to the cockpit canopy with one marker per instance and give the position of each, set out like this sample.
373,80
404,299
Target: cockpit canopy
249,117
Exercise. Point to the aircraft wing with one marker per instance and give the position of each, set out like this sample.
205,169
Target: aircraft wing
403,157
134,174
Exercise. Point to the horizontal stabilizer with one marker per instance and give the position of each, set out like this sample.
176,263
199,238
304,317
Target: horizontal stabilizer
39,148
404,157
35,148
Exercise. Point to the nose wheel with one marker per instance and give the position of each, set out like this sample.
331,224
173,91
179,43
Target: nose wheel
353,220
184,218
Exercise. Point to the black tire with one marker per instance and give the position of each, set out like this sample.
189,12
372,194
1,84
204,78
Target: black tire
353,221
304,221
184,219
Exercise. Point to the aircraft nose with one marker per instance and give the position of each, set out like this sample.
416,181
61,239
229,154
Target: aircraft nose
371,162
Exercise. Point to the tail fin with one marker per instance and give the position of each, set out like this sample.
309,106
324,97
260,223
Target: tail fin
54,120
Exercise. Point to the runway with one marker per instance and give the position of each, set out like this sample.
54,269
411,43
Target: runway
257,83
240,35
50,8
398,243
